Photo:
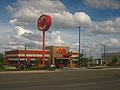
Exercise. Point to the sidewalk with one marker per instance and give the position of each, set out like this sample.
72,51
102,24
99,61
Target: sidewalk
30,71
59,70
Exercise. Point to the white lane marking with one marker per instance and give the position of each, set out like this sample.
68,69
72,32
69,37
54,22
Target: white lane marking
77,84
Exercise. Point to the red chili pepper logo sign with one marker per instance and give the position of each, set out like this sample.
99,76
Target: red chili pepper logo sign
44,23
61,50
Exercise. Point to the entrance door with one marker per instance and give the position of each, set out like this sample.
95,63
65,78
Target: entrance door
61,62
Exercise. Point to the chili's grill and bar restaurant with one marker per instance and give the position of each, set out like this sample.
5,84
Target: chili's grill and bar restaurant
58,55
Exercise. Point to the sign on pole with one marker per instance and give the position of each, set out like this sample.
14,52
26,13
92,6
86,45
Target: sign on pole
43,24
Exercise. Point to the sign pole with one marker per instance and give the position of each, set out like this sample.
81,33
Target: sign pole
43,50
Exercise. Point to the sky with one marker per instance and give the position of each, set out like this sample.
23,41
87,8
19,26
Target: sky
99,21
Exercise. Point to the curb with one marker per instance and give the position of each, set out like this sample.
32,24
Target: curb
19,72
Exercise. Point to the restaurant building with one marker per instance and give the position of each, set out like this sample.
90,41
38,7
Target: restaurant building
58,55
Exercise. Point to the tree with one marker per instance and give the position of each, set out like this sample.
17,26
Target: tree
90,59
80,60
83,61
2,59
114,60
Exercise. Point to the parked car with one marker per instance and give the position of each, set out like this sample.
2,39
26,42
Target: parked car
61,65
25,65
21,66
52,67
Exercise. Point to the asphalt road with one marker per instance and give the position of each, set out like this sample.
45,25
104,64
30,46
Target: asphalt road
64,80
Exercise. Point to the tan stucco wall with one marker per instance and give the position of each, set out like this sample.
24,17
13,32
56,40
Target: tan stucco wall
54,53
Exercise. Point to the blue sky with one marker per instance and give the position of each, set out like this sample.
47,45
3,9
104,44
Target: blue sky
73,6
97,14
99,21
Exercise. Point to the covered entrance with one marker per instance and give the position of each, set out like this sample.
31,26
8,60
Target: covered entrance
62,62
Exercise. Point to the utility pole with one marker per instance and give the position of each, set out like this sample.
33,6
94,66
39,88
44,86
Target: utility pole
79,40
104,54
25,59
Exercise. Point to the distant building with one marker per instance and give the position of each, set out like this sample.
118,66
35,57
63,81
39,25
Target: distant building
97,61
108,57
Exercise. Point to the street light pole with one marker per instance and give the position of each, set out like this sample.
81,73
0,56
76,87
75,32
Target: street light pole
104,54
79,41
25,62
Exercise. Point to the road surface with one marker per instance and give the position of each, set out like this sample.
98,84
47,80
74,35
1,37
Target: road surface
64,80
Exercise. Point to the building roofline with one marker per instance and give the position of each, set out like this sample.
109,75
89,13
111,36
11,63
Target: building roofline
57,46
27,50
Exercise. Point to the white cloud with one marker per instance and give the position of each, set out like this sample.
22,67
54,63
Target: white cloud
56,38
9,8
28,12
25,14
47,5
67,20
106,27
112,43
32,36
20,30
21,37
103,4
7,43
